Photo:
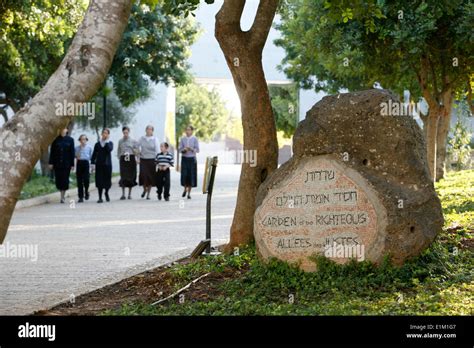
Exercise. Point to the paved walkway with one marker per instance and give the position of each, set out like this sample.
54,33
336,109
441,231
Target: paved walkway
86,246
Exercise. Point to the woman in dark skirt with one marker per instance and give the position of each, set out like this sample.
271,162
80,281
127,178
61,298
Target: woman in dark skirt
189,147
149,148
126,151
102,160
61,160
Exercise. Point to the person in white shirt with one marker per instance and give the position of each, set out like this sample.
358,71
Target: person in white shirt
189,147
149,148
127,151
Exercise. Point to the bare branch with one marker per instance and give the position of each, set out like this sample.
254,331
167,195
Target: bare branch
422,75
263,22
435,80
228,18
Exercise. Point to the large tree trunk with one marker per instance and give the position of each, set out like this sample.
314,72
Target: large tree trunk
436,125
424,119
444,125
431,133
77,79
243,53
44,163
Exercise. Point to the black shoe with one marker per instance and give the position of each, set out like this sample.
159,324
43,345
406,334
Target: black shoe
87,196
62,200
80,200
129,197
100,201
143,194
189,196
159,197
184,194
167,199
107,198
148,197
122,198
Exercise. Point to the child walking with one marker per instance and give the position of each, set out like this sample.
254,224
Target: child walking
83,158
164,160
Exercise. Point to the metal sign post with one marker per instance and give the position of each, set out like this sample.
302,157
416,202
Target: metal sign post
207,187
208,205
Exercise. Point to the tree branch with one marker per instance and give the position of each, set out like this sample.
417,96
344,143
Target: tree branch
228,18
263,22
447,99
422,75
435,80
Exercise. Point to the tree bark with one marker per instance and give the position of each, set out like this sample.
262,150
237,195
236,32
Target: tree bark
436,124
431,124
444,126
424,119
441,140
44,163
243,54
79,76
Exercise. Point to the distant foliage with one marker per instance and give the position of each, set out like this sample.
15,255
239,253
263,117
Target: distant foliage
459,143
284,99
203,109
34,36
333,45
117,114
154,48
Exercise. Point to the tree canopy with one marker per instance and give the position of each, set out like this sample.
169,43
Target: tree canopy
421,46
334,45
284,99
203,109
154,47
34,36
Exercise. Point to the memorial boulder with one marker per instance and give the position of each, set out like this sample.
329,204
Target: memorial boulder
357,186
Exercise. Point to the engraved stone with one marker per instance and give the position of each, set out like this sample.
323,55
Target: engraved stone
343,207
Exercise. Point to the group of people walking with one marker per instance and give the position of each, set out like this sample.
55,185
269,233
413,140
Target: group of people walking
153,159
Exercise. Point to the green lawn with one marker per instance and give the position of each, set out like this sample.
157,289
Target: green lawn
40,185
438,282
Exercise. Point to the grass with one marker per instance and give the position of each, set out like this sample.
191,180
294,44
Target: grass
41,185
438,282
